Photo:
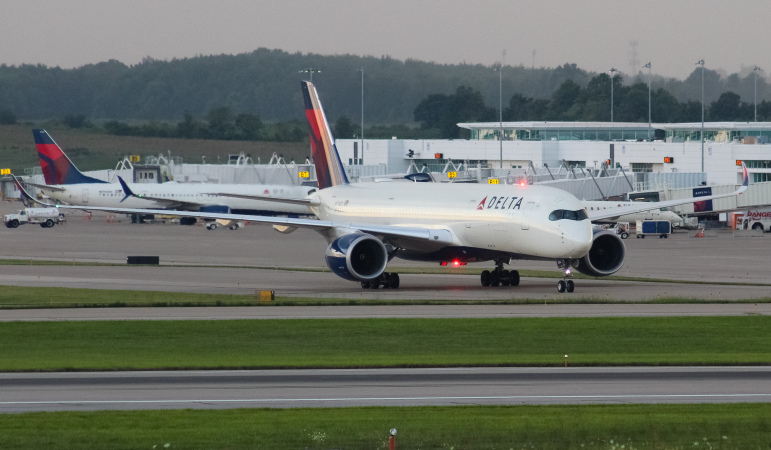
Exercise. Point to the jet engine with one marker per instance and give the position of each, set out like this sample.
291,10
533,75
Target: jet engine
605,257
357,257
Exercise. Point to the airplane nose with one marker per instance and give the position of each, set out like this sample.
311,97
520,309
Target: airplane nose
578,240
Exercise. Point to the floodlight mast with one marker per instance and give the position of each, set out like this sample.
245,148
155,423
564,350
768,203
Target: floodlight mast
612,76
701,63
650,82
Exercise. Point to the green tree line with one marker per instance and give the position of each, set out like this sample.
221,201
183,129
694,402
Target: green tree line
570,102
265,83
439,114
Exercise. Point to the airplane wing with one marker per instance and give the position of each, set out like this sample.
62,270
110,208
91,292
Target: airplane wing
292,201
428,234
182,204
647,206
167,202
45,186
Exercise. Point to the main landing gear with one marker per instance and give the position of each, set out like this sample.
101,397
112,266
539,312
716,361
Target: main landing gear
564,284
498,276
386,280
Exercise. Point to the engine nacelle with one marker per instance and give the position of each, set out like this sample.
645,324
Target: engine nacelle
605,257
357,257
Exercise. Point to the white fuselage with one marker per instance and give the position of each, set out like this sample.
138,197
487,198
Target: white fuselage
181,196
495,218
654,214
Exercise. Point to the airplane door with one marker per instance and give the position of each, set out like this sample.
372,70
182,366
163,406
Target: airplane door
85,196
526,215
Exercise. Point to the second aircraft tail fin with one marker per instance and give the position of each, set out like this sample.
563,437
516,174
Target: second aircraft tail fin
57,167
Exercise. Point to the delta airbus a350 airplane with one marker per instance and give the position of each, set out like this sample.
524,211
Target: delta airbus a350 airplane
368,224
65,183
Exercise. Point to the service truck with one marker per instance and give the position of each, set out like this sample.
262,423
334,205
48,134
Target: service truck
46,217
757,219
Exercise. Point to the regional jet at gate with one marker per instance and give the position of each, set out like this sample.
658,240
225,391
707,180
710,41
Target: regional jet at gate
655,212
368,224
65,183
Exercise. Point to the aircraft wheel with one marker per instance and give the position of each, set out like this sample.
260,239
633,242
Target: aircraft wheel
495,279
570,286
505,278
394,284
514,278
485,278
374,284
561,286
365,284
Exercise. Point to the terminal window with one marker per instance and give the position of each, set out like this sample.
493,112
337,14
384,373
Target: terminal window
642,167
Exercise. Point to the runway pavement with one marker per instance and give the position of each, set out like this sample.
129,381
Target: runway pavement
23,392
287,283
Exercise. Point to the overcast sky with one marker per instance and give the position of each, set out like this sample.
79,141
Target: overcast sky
595,34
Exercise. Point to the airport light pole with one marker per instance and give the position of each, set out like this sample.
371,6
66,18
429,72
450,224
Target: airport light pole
650,81
499,68
361,69
755,70
311,71
701,63
612,76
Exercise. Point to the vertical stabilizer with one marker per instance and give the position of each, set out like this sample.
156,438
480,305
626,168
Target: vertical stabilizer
329,169
57,167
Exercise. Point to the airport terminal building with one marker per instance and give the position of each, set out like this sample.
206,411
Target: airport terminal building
635,147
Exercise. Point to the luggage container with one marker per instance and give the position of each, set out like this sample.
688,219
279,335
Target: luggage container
660,228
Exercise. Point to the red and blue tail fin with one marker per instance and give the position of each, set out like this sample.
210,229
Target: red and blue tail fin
745,179
57,167
329,169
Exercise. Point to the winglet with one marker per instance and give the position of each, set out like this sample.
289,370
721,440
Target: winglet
127,192
329,168
26,194
745,180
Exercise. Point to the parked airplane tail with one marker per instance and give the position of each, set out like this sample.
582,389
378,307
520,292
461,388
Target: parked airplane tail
329,168
57,167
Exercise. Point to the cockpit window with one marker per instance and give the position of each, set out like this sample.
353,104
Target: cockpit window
560,214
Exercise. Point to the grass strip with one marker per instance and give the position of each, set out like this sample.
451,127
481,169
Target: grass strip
713,426
347,343
31,297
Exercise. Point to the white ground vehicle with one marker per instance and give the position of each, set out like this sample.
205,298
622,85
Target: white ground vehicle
757,219
622,229
46,217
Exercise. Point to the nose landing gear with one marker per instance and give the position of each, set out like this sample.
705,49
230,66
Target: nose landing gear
498,276
564,284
